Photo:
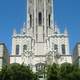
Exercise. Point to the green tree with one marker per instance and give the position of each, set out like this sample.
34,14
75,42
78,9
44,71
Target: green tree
64,71
69,72
17,72
52,72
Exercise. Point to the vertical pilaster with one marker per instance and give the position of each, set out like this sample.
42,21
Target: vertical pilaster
35,17
45,18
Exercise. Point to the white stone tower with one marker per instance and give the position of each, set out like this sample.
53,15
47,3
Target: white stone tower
40,18
40,40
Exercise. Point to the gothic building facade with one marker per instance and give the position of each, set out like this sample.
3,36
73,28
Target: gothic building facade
40,40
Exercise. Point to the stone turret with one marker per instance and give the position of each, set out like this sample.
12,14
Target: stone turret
14,32
66,31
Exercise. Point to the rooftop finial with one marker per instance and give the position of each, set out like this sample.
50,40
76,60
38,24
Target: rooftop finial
24,28
65,31
57,29
14,31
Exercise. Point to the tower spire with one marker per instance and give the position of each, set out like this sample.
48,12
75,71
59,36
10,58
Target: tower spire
57,29
14,32
66,31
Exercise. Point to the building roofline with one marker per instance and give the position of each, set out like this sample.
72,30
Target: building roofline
2,43
78,43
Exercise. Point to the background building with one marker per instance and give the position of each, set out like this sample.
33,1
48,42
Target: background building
40,41
76,54
4,56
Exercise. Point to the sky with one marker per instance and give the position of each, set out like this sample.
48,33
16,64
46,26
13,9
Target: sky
13,15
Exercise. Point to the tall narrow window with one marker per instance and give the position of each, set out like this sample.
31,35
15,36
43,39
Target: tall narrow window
56,47
24,47
63,49
17,49
40,18
30,20
49,20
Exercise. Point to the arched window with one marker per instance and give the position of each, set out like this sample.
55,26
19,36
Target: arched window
30,20
63,49
49,19
17,49
24,47
40,18
56,47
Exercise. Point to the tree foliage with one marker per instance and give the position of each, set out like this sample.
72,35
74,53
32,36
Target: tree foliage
52,72
17,72
64,71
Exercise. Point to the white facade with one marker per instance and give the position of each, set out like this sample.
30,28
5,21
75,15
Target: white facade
4,56
40,40
76,54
